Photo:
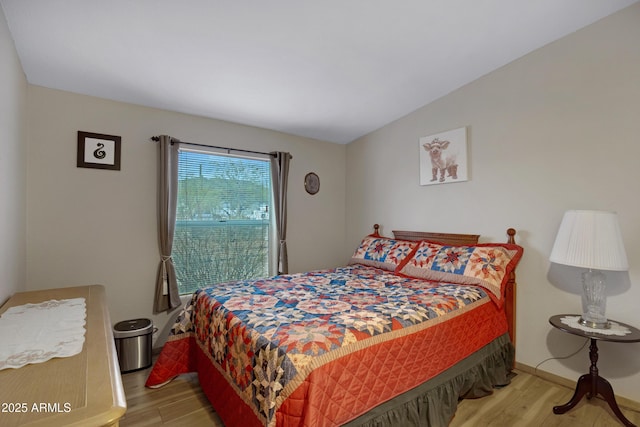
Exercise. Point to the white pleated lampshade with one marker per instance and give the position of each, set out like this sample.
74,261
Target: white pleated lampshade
590,239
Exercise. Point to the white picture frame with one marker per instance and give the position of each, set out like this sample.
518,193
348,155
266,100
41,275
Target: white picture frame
443,157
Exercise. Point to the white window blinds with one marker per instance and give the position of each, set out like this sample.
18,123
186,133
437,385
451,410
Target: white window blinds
222,220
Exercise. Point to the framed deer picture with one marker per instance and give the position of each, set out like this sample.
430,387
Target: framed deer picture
443,157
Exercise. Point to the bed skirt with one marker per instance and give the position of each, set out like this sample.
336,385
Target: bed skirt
434,403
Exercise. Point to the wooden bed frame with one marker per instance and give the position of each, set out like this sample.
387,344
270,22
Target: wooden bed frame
467,239
491,363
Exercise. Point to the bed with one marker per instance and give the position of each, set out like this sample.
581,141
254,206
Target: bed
409,326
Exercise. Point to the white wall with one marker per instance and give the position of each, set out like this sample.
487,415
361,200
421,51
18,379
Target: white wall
552,131
90,226
13,181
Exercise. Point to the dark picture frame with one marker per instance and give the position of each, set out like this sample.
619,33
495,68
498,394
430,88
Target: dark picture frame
99,151
311,183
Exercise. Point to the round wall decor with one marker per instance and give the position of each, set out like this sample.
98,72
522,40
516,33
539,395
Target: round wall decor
311,183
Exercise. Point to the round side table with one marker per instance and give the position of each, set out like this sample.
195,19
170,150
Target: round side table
593,384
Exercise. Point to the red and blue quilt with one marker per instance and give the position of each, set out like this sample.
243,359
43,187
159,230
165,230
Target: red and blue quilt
322,347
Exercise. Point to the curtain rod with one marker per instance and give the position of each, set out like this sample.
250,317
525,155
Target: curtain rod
174,140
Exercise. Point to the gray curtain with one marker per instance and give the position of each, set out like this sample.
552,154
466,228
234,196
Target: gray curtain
279,177
167,296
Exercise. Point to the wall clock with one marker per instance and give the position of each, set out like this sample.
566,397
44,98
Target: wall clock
311,183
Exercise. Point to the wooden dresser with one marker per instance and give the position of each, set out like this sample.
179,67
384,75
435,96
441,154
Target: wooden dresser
82,390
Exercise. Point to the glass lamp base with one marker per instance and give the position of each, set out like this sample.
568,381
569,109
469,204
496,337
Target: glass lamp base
594,325
594,300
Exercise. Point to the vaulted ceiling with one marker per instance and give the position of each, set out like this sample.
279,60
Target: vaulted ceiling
332,70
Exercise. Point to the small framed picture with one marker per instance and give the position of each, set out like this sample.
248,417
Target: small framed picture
98,151
443,157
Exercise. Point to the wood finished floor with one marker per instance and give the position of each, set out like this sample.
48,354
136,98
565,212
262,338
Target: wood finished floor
527,401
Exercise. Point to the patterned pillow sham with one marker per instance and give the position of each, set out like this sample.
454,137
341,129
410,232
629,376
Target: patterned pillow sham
382,252
488,265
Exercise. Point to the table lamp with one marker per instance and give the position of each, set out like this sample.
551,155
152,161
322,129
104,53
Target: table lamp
591,240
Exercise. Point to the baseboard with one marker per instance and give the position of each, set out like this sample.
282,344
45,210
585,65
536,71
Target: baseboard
622,401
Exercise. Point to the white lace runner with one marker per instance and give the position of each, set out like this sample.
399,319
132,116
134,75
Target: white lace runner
35,333
615,329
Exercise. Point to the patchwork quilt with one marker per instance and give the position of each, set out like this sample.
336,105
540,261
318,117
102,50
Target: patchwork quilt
323,347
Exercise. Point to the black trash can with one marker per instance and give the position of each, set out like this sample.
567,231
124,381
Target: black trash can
133,344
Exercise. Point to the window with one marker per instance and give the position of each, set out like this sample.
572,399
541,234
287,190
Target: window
222,219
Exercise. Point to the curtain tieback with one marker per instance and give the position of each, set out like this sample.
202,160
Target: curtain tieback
165,283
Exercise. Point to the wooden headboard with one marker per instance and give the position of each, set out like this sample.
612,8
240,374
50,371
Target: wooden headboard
468,239
444,238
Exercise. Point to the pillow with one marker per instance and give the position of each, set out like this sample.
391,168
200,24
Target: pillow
382,252
488,265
